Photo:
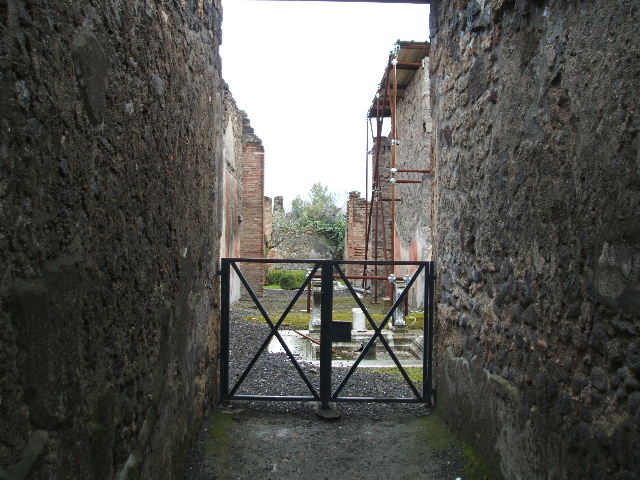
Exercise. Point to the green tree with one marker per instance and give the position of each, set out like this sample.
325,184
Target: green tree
319,214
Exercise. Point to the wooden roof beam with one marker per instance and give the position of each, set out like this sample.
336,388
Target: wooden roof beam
408,65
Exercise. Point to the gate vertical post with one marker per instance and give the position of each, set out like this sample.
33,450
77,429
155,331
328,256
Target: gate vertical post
224,330
326,317
429,286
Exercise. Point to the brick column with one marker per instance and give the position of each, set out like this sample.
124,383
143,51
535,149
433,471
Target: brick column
354,245
252,226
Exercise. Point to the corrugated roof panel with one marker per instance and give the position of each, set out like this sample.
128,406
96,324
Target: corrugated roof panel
409,56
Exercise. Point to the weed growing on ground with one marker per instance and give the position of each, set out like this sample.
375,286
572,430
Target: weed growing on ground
414,373
415,320
434,433
219,428
300,321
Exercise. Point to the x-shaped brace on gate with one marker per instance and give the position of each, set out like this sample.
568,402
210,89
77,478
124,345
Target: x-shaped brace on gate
378,332
274,331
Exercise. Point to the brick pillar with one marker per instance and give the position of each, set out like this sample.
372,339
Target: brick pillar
252,226
354,245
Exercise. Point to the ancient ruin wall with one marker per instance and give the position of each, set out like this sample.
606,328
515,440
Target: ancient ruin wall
252,225
381,215
414,152
538,235
110,116
241,184
356,232
413,213
230,186
267,216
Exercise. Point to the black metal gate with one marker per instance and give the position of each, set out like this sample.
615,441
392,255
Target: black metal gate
326,393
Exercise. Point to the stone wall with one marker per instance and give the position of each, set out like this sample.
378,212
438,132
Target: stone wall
110,120
537,232
300,245
304,245
278,205
284,243
412,227
413,213
230,185
380,231
382,225
242,182
267,216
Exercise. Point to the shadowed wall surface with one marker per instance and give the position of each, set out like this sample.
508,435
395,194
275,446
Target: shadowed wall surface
537,232
108,146
413,222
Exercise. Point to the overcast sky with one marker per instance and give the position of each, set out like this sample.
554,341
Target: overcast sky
306,73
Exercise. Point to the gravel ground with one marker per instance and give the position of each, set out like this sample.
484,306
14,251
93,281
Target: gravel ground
286,440
274,374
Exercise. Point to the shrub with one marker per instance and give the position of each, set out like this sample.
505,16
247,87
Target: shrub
300,276
287,279
274,276
288,282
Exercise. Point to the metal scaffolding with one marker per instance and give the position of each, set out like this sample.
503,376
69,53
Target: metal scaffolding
380,241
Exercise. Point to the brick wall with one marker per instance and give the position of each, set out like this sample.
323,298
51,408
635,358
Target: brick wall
241,185
230,185
379,232
252,225
381,227
354,244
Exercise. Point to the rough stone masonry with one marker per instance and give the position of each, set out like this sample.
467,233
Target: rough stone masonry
110,157
110,234
241,195
537,232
